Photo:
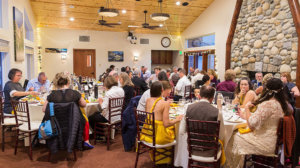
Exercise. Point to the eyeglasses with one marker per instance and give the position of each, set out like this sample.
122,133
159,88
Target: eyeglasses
19,75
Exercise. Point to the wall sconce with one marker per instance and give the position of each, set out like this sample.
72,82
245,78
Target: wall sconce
135,58
63,56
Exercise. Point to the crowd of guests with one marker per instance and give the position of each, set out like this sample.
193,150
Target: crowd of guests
265,100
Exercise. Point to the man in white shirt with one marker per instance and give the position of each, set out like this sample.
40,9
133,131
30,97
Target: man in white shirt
198,76
153,77
180,87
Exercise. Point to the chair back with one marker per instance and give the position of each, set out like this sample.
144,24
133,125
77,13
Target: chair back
137,91
145,124
115,108
21,111
1,110
188,92
203,136
279,140
25,84
225,94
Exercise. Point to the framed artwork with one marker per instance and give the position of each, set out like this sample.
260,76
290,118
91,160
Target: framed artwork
56,50
18,35
115,56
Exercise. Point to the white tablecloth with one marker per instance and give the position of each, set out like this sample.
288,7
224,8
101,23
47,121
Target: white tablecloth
181,149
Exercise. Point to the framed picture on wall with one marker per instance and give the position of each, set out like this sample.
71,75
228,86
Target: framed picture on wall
115,56
18,35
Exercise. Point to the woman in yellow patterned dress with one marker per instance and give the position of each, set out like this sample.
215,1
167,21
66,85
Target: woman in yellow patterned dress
164,127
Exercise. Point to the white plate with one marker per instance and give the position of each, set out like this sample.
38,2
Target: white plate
234,121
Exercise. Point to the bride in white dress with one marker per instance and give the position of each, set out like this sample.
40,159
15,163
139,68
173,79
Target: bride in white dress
263,122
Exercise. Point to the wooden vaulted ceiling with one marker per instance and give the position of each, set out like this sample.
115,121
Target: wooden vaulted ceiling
56,14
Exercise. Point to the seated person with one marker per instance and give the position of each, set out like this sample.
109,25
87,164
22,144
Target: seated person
214,81
139,82
258,80
13,90
287,80
64,94
40,84
244,93
271,106
204,111
197,93
127,86
113,91
180,86
164,132
198,76
228,85
267,77
204,82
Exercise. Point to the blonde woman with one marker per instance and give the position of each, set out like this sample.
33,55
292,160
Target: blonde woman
213,77
127,86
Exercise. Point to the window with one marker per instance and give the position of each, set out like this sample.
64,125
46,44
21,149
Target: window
200,62
208,40
211,61
191,61
28,28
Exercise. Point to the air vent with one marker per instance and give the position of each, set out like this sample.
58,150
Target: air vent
84,38
144,41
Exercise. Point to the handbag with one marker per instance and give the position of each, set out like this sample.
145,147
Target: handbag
48,129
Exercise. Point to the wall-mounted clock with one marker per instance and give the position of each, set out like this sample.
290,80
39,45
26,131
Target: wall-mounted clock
165,42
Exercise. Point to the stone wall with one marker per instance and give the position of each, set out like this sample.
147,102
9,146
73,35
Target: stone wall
265,38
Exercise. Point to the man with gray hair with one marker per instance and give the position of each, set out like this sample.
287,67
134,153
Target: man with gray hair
175,71
138,81
182,83
198,76
258,79
40,84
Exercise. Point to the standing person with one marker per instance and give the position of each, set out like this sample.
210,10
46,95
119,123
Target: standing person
146,73
39,84
228,85
287,80
127,86
205,111
168,73
64,94
213,77
112,67
244,93
258,80
192,70
271,106
13,90
128,69
182,83
175,71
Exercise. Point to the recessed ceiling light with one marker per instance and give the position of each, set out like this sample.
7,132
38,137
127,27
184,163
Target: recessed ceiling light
161,25
72,19
124,11
178,3
71,6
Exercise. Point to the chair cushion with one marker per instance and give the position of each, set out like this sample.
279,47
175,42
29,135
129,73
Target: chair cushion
9,121
33,124
206,159
159,146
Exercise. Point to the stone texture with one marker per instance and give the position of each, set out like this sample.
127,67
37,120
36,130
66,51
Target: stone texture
294,63
283,52
286,26
279,44
274,51
270,44
258,10
277,60
272,33
248,36
264,38
235,41
237,70
280,36
285,68
267,52
266,6
251,60
266,60
245,61
246,50
284,3
275,12
281,15
294,55
293,75
251,30
258,44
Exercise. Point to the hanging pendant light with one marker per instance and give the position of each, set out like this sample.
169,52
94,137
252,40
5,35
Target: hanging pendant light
160,16
108,12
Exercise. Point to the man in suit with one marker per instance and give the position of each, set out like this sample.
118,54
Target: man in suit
204,111
139,82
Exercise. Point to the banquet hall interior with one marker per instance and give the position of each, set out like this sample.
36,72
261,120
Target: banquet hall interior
149,83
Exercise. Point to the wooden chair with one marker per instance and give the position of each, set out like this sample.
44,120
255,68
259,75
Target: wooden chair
147,120
137,91
268,161
172,93
7,121
115,108
28,128
188,92
203,136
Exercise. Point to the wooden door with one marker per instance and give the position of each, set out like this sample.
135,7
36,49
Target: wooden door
155,57
84,62
162,57
169,57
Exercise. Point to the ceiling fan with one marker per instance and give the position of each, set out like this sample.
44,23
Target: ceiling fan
146,25
103,22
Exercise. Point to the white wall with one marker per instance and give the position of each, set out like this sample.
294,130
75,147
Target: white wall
102,42
7,34
215,19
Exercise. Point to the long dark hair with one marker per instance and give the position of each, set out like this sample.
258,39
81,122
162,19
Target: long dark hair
238,88
274,88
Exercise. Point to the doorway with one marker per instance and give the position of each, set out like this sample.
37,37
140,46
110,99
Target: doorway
84,62
202,60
